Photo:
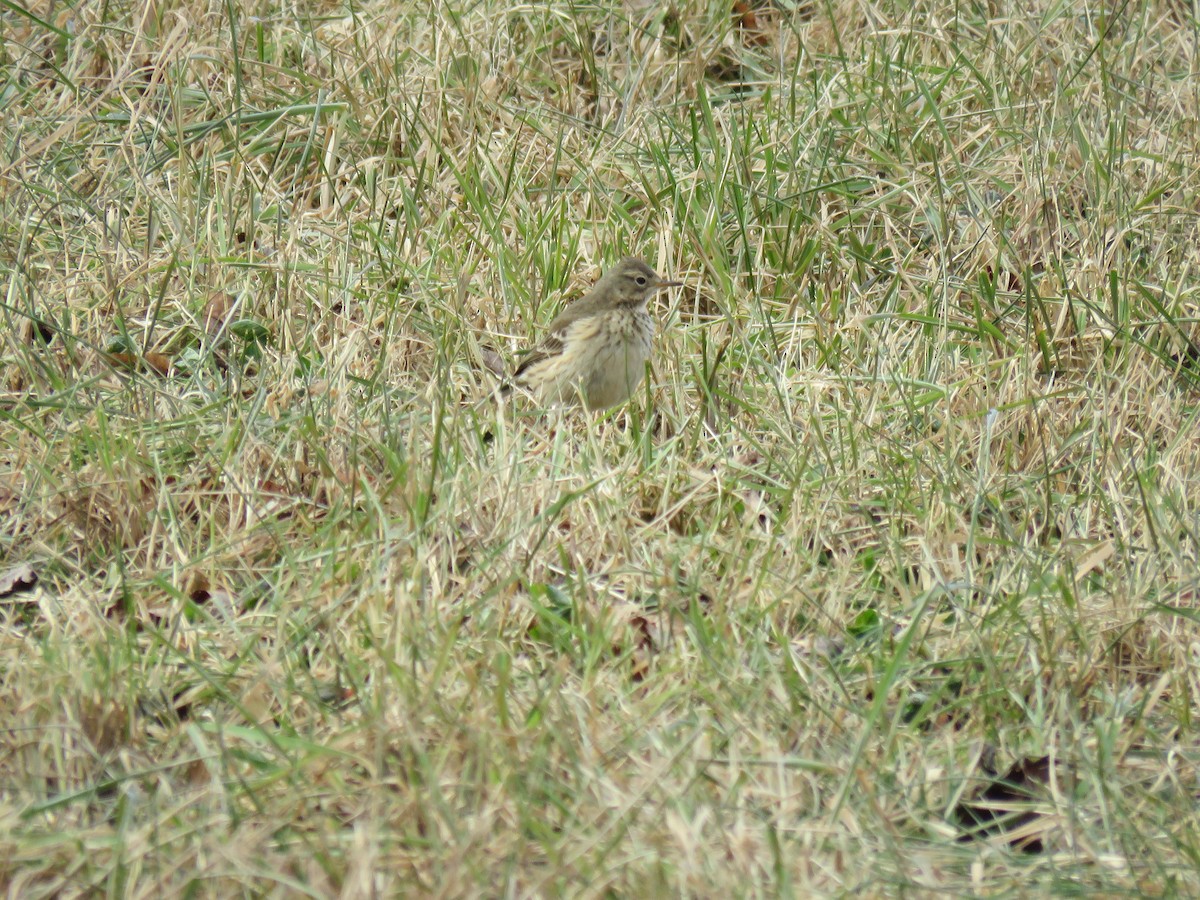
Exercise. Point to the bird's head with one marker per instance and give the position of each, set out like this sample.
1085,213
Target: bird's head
632,281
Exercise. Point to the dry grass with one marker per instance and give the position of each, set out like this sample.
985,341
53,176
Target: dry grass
913,493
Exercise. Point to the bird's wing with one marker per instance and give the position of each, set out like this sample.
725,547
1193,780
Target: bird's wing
556,332
580,309
552,345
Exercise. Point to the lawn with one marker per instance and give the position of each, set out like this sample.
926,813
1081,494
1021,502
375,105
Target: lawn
887,581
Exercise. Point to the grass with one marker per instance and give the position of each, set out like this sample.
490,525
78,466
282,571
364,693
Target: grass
909,501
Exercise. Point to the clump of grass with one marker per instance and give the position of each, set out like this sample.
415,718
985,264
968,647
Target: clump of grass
904,513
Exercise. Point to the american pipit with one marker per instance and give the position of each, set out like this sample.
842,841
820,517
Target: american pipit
596,350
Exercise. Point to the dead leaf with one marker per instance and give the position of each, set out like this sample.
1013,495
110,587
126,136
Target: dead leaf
8,499
198,588
37,331
216,315
159,362
258,704
492,362
752,28
1004,807
124,360
17,580
104,722
1093,559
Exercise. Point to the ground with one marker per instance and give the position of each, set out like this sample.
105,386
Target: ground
885,582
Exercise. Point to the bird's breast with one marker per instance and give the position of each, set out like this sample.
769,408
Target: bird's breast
622,345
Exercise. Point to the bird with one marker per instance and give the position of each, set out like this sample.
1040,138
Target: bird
594,353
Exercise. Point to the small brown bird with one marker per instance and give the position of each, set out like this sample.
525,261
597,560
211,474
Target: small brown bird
596,350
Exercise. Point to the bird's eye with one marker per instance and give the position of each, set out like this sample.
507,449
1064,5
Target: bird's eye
641,280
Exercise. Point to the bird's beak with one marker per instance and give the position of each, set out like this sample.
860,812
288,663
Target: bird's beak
666,284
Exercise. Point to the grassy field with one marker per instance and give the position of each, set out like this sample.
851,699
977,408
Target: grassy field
887,582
